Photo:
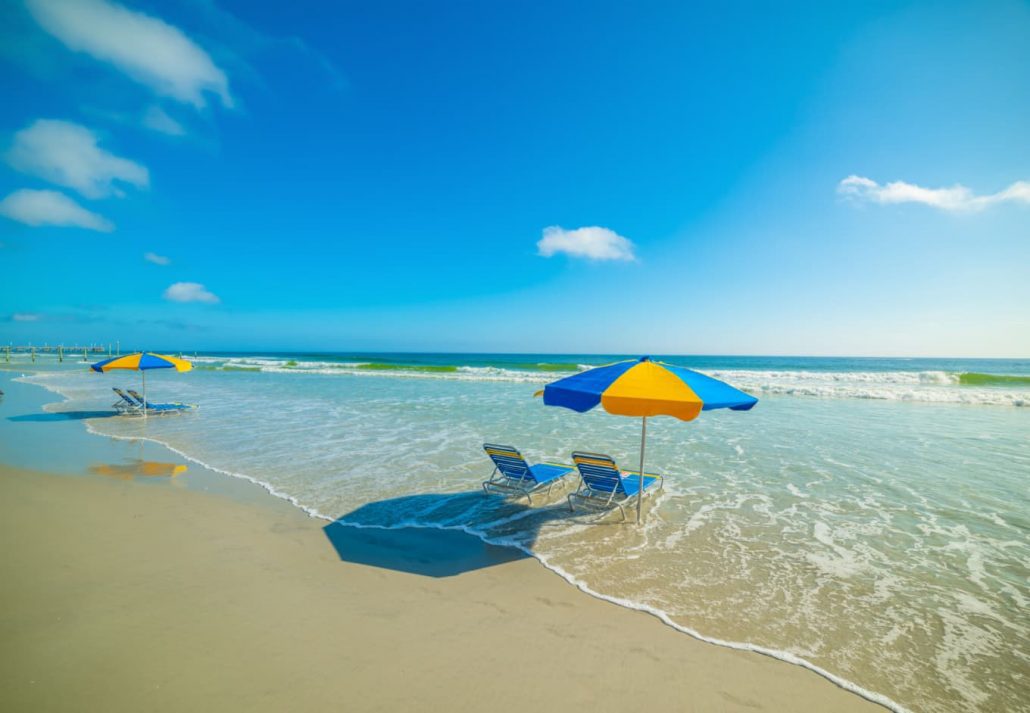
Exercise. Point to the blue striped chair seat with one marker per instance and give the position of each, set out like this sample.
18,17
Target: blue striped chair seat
513,466
159,407
600,474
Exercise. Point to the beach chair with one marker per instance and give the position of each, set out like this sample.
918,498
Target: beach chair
512,475
124,403
604,485
159,407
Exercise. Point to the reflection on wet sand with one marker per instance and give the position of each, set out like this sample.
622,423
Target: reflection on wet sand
139,467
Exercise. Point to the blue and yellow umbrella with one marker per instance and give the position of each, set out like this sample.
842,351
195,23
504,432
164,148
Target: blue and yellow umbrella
142,362
642,387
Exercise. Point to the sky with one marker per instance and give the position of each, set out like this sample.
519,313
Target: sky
574,177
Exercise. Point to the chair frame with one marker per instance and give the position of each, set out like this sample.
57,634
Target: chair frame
125,403
598,500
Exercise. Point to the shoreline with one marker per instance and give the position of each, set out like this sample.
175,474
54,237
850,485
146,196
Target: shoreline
794,671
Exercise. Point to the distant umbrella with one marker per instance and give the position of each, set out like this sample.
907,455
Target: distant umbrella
641,387
142,362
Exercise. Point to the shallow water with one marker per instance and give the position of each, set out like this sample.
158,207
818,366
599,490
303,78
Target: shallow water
870,517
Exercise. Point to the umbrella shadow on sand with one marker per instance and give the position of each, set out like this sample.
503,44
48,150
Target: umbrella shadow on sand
428,550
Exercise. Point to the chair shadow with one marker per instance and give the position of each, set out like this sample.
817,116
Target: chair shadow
62,416
422,549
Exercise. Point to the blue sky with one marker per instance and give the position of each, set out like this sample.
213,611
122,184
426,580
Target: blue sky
535,176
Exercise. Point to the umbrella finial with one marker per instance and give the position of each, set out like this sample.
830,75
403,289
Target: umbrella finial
645,358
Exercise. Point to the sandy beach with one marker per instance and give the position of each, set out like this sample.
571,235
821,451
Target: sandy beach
121,591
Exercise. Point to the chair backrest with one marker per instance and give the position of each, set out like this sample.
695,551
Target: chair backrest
123,396
599,472
136,396
509,461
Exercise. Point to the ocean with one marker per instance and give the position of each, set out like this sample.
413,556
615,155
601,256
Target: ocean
868,519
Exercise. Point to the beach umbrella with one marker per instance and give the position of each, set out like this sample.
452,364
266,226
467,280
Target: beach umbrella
645,388
142,362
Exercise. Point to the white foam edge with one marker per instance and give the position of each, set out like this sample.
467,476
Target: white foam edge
659,614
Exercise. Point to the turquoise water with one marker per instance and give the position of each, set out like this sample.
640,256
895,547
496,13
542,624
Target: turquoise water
870,518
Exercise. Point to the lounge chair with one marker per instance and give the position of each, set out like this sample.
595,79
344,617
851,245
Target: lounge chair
514,476
124,403
159,407
604,485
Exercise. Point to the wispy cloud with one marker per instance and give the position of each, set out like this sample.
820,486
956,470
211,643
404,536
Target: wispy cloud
593,243
190,292
175,324
37,208
157,119
69,155
145,48
236,44
157,259
956,198
82,317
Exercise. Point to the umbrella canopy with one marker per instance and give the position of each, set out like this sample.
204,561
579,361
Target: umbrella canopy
642,387
142,362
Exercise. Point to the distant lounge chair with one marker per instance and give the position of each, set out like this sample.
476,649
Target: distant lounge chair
604,485
513,475
124,403
159,407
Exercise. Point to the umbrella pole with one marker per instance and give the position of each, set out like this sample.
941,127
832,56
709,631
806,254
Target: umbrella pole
144,393
640,492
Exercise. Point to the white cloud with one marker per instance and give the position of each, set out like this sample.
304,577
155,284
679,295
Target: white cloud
38,208
157,259
146,48
157,119
25,317
67,154
190,292
957,198
592,242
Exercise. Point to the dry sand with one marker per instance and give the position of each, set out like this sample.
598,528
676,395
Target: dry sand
116,595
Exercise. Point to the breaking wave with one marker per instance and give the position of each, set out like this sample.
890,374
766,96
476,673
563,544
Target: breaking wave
972,388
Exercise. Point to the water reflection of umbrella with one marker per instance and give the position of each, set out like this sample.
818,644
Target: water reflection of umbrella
139,467
645,388
142,362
